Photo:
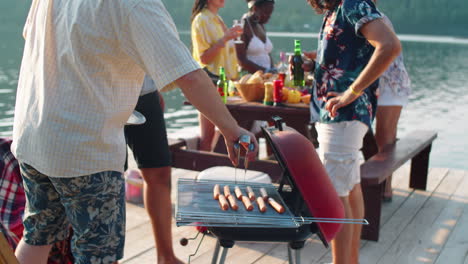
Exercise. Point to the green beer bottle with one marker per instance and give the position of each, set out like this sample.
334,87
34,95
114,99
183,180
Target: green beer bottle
297,71
222,84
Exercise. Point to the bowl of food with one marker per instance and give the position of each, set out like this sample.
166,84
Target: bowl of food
251,87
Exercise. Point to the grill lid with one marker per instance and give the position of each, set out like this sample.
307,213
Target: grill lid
304,170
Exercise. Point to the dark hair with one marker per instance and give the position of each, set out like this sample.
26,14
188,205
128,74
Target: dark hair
260,2
198,6
321,6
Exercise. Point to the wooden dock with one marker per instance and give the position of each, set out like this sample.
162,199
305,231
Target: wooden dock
417,227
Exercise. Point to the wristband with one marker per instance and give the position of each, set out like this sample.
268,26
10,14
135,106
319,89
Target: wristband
355,92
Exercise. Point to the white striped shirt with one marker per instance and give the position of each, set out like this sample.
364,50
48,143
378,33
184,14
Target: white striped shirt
80,78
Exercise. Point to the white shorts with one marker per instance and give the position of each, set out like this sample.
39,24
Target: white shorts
340,145
388,98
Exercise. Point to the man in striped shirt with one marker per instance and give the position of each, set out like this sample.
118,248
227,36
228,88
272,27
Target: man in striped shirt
80,78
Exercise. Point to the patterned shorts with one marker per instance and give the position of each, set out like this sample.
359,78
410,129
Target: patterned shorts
94,206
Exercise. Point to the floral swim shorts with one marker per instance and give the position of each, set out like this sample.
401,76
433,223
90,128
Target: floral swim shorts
93,205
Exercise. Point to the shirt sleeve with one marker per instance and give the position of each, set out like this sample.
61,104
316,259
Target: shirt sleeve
150,37
359,13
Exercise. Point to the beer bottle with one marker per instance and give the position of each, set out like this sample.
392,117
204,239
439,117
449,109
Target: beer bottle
297,71
222,84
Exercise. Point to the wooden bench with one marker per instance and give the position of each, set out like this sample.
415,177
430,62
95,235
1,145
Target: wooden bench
416,147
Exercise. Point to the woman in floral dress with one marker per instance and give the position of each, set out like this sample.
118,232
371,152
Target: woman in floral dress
394,90
355,47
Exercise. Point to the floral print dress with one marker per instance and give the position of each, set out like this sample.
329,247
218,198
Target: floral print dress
341,56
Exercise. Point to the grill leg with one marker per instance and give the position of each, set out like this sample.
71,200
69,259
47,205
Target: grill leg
298,256
295,246
290,259
223,255
216,253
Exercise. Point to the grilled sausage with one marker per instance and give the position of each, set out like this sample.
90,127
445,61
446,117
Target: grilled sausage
248,205
261,204
233,203
223,203
227,191
238,192
216,191
264,194
278,207
250,193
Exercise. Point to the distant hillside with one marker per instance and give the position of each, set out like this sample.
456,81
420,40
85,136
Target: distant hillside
428,17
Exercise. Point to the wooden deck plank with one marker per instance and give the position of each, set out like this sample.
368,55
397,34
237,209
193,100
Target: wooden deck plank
277,255
427,207
422,218
436,236
371,252
456,249
136,216
401,194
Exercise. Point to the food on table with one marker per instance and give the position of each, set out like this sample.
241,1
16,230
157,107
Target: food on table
285,93
227,192
278,207
250,193
233,203
247,204
223,203
216,191
238,192
305,99
261,204
264,193
256,78
245,78
294,97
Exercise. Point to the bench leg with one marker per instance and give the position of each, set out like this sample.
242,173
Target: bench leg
419,169
373,205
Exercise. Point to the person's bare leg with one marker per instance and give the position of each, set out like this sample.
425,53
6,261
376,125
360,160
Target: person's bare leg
385,133
356,202
207,133
341,250
157,199
28,254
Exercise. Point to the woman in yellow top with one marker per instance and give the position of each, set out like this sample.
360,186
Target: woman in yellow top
212,48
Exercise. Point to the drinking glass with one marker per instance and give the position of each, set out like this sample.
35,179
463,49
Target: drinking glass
238,22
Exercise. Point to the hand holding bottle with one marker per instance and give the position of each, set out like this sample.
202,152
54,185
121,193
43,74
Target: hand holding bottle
309,62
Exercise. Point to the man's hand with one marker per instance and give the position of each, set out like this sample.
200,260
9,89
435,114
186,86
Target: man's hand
200,91
232,152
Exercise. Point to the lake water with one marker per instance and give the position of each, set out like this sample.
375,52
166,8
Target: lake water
438,68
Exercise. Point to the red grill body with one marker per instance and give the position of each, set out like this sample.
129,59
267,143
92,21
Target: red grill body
305,188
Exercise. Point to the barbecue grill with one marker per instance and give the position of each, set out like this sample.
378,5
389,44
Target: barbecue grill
311,202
